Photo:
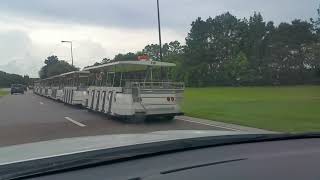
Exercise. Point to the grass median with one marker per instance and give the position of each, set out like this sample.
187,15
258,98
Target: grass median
3,93
285,109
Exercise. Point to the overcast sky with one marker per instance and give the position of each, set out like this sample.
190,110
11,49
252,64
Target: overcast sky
31,30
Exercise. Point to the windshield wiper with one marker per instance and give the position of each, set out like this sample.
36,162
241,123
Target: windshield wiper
106,156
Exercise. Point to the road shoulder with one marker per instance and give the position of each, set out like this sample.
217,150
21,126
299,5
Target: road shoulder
227,126
4,92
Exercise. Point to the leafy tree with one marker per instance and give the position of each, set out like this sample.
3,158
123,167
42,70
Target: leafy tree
126,57
226,50
175,48
53,66
59,68
105,61
153,51
210,44
215,48
316,22
288,51
237,69
26,80
168,49
51,60
7,79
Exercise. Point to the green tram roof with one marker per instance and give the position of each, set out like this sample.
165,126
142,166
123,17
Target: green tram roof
129,66
66,74
74,72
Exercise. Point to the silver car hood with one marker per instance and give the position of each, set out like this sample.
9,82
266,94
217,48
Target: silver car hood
54,148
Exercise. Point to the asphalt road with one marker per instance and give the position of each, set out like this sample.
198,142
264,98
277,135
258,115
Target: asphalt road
30,118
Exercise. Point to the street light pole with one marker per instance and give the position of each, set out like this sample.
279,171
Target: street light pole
160,44
71,54
71,50
159,29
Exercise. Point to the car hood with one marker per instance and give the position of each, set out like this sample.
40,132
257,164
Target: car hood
60,147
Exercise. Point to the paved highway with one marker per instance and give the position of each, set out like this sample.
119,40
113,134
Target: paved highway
30,118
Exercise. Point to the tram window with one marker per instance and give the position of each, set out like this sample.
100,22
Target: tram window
81,83
116,82
109,79
91,80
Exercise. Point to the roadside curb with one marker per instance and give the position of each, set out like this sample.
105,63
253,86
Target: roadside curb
227,126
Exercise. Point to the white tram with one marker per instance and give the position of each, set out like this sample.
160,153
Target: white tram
47,87
70,88
73,87
55,87
134,90
36,87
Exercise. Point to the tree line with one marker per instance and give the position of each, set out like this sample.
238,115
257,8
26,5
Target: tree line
6,79
53,66
226,50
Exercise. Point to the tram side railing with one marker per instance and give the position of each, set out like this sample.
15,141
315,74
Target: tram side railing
156,85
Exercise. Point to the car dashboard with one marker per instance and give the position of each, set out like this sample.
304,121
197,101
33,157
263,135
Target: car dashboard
286,159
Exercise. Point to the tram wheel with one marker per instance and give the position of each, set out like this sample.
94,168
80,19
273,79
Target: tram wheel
169,118
137,118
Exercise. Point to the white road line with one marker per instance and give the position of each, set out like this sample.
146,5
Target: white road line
41,103
75,122
207,124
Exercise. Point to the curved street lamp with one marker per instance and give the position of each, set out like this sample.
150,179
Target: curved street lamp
159,29
71,49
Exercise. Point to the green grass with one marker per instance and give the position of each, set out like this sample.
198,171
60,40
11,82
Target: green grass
3,93
285,109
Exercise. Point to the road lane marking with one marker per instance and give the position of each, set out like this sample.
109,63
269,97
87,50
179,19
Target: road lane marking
207,124
41,103
75,122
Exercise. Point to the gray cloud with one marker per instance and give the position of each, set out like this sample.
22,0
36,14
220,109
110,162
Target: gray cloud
142,13
17,53
20,55
21,67
86,53
14,44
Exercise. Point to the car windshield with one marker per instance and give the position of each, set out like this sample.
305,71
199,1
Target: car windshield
82,73
16,86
